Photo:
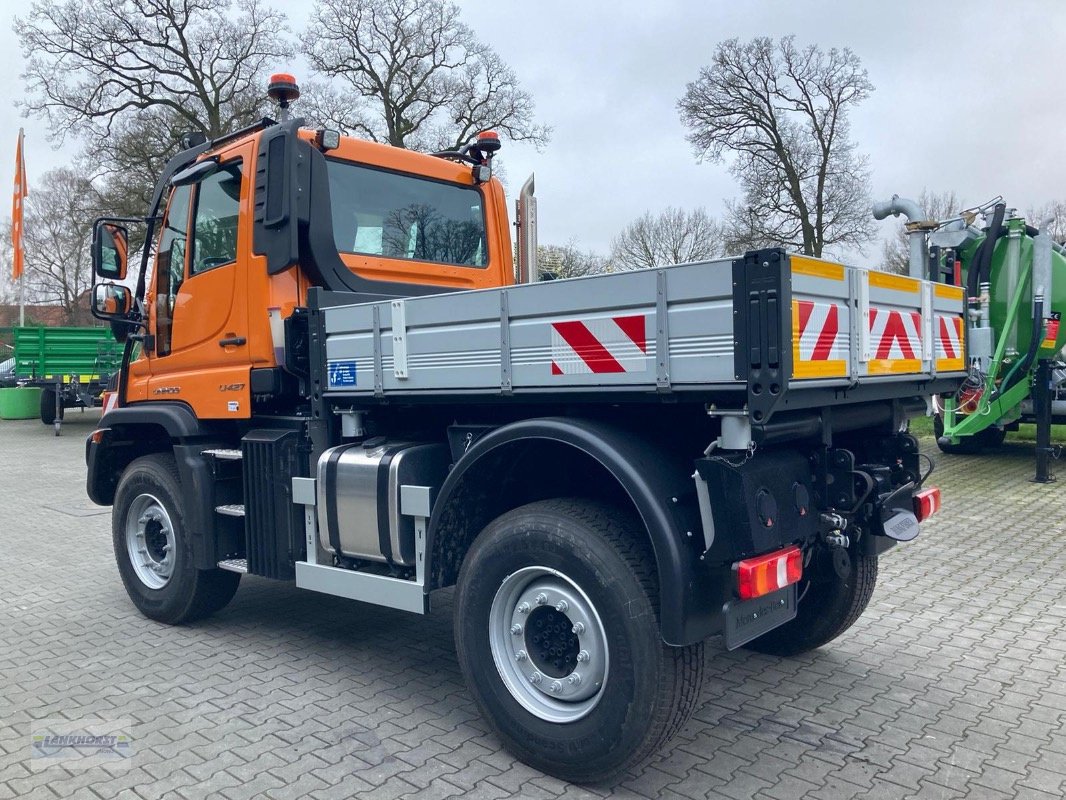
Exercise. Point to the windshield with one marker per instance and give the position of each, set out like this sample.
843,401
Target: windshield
381,213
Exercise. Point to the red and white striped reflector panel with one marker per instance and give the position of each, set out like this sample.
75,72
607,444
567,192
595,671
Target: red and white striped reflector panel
819,324
897,334
926,503
764,574
599,346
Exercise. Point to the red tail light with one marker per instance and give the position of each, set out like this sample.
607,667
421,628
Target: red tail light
764,574
926,503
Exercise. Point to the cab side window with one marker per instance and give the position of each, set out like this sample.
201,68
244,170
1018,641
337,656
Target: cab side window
218,200
170,265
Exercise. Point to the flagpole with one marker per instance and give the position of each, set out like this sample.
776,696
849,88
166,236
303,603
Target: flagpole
18,254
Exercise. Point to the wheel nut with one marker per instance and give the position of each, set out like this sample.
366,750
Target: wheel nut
520,655
516,629
541,599
574,679
561,606
535,678
579,628
583,656
523,608
556,687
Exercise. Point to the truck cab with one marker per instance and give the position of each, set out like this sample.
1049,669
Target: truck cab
334,376
397,223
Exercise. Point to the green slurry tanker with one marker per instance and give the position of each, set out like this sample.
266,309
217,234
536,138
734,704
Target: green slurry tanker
1014,276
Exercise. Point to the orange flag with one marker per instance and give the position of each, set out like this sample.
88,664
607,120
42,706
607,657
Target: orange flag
18,261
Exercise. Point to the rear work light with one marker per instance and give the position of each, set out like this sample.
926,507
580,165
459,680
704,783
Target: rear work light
926,503
764,574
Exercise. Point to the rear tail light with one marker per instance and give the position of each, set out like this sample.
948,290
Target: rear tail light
926,503
764,574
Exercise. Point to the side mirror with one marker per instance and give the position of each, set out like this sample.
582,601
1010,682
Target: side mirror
111,245
111,300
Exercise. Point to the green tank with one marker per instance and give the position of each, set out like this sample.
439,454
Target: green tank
1007,271
1000,345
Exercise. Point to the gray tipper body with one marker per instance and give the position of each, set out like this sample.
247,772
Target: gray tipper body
669,329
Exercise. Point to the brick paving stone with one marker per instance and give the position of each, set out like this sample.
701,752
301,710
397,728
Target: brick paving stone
951,685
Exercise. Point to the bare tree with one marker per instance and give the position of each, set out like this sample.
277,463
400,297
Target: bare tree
1054,213
673,236
895,252
59,212
133,75
413,75
570,261
781,112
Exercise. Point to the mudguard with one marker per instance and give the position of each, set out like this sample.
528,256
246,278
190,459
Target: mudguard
660,486
158,427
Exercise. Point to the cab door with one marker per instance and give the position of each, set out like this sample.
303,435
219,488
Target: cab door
198,317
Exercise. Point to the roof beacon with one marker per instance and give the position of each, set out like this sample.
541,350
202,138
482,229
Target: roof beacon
283,90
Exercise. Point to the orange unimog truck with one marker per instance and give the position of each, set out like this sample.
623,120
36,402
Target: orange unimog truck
332,377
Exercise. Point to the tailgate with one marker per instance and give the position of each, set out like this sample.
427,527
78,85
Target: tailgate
854,325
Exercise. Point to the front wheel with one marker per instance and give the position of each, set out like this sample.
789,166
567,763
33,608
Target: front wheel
153,548
557,632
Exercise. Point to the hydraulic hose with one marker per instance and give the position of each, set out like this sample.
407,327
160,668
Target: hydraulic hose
982,266
1022,365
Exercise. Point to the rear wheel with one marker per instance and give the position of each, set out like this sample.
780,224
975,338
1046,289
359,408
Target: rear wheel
154,551
557,632
827,607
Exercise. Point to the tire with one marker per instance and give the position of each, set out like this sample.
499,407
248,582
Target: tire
828,606
163,582
971,445
48,407
992,437
640,692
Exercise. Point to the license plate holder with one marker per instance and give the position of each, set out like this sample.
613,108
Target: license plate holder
748,619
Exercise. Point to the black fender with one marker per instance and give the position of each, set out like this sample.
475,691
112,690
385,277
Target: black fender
143,428
177,419
659,484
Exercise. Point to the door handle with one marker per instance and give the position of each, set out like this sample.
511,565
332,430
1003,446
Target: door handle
235,341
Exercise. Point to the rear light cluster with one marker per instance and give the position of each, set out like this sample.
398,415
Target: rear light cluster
926,503
764,574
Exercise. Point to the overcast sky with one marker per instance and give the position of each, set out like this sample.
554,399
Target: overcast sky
968,97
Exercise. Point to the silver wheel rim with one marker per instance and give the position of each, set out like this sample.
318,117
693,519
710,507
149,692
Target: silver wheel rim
549,644
150,541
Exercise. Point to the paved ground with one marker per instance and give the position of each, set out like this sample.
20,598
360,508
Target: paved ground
953,684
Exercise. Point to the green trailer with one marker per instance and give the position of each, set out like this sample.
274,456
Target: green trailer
72,366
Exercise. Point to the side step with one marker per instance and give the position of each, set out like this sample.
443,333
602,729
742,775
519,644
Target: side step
223,454
234,565
233,510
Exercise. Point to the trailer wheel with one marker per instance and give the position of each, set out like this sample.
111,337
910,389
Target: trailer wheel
48,407
828,606
154,551
992,437
557,632
972,445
